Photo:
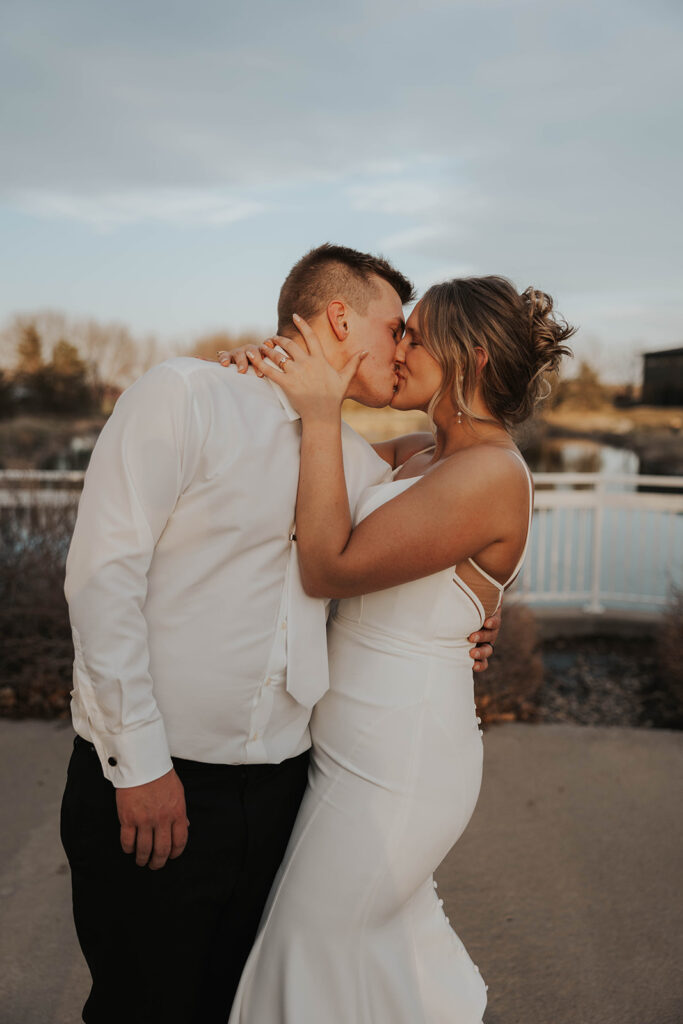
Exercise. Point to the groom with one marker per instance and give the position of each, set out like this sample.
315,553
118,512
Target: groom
198,656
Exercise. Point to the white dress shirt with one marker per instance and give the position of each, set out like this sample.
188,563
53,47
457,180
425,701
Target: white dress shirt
177,573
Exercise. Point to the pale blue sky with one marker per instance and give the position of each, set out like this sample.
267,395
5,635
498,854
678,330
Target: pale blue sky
164,164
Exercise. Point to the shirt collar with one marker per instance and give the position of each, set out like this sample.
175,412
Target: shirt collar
289,410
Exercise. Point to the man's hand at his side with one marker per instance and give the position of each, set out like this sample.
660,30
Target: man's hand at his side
485,638
153,820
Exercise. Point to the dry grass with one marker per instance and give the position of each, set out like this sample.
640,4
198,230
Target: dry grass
509,689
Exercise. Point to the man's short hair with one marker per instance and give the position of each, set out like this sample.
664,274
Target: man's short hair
335,272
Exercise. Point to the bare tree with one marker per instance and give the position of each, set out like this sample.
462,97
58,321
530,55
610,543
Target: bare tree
29,351
112,355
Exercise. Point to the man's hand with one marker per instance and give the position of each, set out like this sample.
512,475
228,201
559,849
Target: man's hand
153,820
485,638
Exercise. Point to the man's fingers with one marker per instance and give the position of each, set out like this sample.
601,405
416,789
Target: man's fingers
144,844
162,847
128,833
179,837
480,656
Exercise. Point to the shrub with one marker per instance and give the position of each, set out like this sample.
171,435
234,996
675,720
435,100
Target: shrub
36,655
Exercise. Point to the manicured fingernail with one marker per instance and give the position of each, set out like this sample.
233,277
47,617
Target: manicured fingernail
476,638
225,362
295,316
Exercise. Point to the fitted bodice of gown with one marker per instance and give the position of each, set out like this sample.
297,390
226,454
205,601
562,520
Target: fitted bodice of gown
429,611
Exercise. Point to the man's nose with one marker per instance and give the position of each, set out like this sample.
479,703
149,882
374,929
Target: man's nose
400,352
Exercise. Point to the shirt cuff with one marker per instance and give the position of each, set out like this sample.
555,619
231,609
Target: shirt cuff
133,758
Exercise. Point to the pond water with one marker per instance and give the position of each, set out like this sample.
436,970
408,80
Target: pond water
576,455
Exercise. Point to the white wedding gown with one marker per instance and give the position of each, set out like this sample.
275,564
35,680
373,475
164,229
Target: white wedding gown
354,931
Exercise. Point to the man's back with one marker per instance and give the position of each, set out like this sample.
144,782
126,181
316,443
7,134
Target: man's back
177,570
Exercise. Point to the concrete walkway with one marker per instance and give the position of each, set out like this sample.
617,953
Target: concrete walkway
565,887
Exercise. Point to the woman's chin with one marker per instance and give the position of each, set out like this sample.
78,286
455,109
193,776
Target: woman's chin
398,402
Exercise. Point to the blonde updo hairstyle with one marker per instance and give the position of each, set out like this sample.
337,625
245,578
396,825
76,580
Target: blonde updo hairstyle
521,335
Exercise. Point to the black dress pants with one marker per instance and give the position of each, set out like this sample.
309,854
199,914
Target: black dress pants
169,945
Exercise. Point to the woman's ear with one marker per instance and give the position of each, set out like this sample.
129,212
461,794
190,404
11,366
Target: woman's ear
338,318
482,358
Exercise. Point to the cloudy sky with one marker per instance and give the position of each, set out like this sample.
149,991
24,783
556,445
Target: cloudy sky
164,164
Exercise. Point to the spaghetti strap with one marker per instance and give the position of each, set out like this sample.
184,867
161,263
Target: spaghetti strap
531,513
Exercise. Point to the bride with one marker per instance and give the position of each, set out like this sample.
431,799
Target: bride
354,932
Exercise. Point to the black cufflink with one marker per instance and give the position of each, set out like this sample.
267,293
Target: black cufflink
112,761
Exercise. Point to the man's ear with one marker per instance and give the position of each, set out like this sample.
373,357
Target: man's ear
338,317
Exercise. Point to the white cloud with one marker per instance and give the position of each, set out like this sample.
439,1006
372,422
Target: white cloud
176,206
412,237
403,197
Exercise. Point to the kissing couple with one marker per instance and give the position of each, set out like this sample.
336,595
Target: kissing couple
255,803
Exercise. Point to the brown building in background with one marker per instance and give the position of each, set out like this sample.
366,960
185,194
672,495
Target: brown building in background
663,377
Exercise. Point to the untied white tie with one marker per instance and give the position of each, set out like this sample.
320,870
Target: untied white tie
308,676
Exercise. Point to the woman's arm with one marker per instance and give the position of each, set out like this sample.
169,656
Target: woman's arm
455,511
452,513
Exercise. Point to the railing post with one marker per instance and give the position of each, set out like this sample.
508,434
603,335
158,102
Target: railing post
594,604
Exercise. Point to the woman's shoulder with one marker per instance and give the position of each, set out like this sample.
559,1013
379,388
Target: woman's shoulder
483,467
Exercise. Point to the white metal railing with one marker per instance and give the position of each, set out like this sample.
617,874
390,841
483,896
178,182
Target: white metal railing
29,490
31,499
596,541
